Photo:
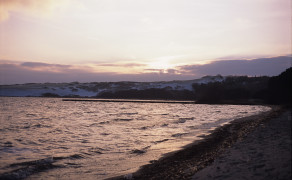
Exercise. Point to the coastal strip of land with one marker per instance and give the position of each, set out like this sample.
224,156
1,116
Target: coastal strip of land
128,100
189,161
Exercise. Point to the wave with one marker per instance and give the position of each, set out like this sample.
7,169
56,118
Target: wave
183,120
178,134
128,113
124,119
25,169
161,141
140,151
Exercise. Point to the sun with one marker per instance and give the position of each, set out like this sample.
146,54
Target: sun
162,63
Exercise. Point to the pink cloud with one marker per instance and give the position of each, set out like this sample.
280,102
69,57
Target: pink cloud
38,7
12,72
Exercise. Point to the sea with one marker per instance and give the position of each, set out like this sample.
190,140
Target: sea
48,138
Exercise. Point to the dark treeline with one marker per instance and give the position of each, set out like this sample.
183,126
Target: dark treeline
152,93
280,88
247,90
233,90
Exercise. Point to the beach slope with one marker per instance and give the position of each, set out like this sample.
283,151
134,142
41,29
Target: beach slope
201,159
263,154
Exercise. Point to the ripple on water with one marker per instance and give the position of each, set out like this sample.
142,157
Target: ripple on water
183,120
25,169
100,139
123,119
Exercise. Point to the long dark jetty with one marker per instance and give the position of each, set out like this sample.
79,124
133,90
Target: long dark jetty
129,100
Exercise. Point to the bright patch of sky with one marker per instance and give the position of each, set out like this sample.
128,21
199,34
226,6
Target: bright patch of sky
152,34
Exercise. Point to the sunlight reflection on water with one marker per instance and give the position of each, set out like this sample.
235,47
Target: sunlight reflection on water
101,139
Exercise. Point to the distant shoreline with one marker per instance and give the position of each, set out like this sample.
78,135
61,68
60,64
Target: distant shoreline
246,102
130,100
94,99
183,164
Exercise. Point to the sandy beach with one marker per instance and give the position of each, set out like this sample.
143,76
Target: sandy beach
255,147
263,154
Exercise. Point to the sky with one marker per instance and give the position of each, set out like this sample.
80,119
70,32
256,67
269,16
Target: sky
140,40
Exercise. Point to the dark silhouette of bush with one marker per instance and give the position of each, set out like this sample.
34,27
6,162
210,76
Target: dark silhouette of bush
236,93
151,93
280,88
209,93
50,95
271,90
233,89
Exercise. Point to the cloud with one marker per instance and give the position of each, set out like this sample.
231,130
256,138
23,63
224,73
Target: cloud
122,65
37,7
155,70
171,71
162,71
256,67
39,64
37,72
12,72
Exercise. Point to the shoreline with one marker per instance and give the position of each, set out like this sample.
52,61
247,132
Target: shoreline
150,100
183,164
128,100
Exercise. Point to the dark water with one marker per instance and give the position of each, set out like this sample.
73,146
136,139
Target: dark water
52,139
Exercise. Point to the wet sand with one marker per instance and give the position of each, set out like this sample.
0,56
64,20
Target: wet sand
266,155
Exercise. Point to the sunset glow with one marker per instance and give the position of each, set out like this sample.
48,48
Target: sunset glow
134,37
